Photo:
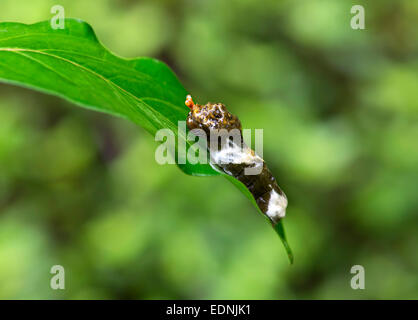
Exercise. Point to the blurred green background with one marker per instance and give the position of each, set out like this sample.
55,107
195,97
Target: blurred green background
339,110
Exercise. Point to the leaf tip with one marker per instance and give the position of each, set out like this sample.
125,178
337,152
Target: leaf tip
279,228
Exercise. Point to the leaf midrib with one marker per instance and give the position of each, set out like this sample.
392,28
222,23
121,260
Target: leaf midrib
40,34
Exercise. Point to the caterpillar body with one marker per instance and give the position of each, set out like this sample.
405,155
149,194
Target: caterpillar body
233,157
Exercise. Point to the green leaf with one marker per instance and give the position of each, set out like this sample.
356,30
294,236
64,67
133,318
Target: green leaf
72,64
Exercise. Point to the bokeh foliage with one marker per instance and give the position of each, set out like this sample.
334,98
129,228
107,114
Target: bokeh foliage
339,110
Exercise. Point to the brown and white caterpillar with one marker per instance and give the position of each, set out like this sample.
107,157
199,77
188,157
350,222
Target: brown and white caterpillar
233,157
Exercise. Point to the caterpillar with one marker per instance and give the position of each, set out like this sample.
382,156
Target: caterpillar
233,157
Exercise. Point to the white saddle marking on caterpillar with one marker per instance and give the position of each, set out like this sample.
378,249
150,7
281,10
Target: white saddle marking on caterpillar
277,206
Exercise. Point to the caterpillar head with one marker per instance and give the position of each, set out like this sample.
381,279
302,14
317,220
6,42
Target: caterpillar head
210,116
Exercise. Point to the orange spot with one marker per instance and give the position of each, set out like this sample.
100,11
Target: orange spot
189,102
